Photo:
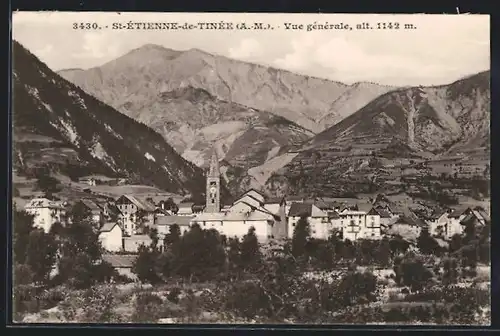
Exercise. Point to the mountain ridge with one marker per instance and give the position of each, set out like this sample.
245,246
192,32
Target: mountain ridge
73,133
228,79
417,124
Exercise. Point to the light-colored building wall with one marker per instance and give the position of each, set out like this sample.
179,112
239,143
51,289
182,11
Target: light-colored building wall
353,224
372,227
132,244
112,241
44,218
454,227
319,227
439,225
235,228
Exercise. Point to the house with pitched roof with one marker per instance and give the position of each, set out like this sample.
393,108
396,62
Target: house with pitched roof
235,224
408,226
478,218
111,237
373,226
95,209
134,210
454,220
122,264
319,222
438,224
185,209
353,223
46,212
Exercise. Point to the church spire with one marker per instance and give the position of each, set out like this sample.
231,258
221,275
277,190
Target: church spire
214,170
213,185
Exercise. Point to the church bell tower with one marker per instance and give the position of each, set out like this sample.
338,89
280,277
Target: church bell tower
213,185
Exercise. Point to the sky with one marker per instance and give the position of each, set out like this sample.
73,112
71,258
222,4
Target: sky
440,50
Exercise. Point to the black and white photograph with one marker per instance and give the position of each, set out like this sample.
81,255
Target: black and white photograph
244,168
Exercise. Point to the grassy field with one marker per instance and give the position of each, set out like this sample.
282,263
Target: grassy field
71,190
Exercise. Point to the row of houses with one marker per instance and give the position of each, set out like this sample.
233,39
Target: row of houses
271,219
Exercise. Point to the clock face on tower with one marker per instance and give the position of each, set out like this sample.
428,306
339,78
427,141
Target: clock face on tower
213,190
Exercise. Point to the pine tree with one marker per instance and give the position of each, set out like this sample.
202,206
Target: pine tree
250,253
41,254
426,243
80,251
173,237
23,225
300,237
145,265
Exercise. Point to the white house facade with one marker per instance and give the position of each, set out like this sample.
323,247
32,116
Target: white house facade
45,212
111,237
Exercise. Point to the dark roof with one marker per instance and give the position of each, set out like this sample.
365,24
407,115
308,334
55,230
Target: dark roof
300,209
364,207
107,227
139,203
485,215
91,205
383,213
333,215
186,204
410,218
171,220
437,213
119,261
274,200
459,211
374,212
198,207
322,205
468,219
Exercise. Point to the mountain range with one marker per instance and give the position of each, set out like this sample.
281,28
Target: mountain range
272,128
196,100
59,127
417,123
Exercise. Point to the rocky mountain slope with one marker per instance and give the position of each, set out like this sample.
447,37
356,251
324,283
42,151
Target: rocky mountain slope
418,123
134,82
60,127
193,121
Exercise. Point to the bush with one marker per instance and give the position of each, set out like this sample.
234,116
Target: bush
173,295
52,297
98,305
147,308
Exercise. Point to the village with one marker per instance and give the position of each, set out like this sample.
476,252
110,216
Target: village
124,224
